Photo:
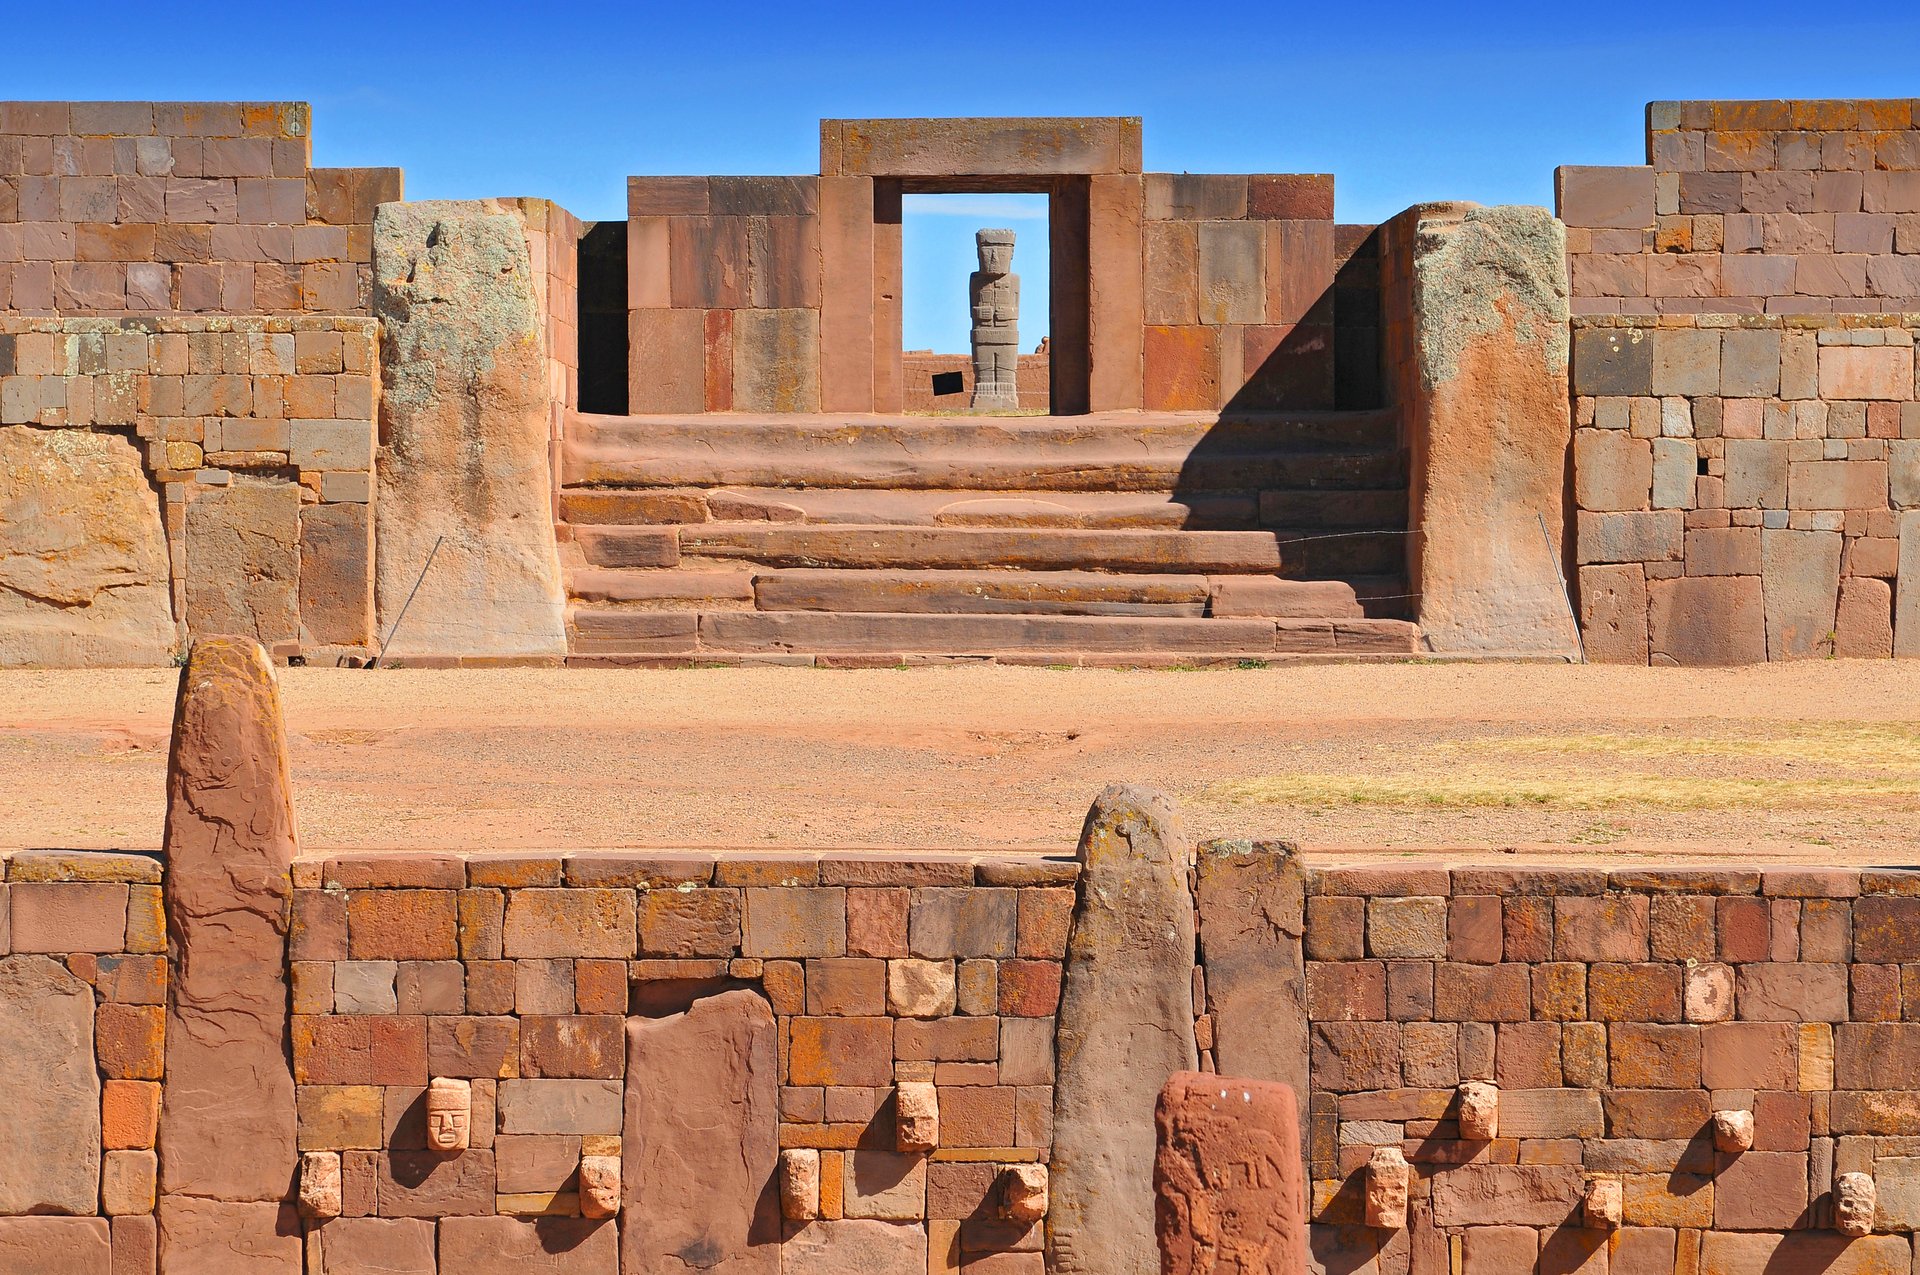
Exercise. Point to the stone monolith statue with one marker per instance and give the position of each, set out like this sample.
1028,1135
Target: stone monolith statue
994,293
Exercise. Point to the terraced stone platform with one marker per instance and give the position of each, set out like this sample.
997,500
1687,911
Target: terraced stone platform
1107,538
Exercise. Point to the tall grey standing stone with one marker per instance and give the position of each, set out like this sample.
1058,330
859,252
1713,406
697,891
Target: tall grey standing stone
464,430
1906,606
227,1126
993,293
700,1142
1252,906
49,1092
1125,1025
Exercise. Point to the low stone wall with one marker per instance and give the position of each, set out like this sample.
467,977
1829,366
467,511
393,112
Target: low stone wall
175,475
918,370
1748,488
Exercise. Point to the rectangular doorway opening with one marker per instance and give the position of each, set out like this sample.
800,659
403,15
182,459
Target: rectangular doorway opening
940,252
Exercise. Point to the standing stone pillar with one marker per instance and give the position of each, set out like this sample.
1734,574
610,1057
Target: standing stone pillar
464,430
227,1138
1252,905
993,293
1125,1025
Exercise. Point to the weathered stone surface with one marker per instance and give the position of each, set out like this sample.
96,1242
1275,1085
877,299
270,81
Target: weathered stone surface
1023,1193
599,1185
1613,612
1706,620
916,1115
1733,1131
1228,1183
49,1091
320,1187
243,560
83,564
869,1247
1389,1177
1853,1204
227,1118
993,298
1124,1025
464,416
224,1237
1728,1253
1516,1194
1490,313
1800,578
1604,1203
55,1245
1251,921
701,1140
800,1184
374,1246
1478,1111
530,1246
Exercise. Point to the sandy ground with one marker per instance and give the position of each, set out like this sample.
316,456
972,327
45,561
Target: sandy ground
1815,761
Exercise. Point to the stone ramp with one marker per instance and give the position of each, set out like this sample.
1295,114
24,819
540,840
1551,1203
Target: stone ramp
1111,538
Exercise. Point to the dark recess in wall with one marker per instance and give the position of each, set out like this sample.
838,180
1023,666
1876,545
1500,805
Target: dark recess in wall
603,318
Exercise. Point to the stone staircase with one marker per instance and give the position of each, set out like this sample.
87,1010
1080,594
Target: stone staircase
1108,539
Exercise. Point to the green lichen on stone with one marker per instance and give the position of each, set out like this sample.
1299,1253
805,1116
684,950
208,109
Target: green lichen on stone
1483,270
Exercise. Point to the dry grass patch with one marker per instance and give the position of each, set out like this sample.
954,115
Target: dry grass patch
1874,745
1598,792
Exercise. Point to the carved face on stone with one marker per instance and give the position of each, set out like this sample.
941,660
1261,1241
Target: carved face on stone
449,1115
1853,1204
1388,1177
996,250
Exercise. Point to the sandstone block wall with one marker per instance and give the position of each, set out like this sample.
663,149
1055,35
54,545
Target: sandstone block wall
254,438
197,207
1748,488
83,985
918,370
520,973
1774,207
1615,1011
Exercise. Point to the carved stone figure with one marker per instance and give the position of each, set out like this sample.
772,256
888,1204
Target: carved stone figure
800,1184
993,292
917,1107
1229,1194
1023,1193
1605,1202
320,1190
599,1185
1479,1111
449,1115
1388,1180
1733,1131
1854,1199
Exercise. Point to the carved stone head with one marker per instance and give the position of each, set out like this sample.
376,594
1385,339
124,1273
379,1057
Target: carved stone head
1388,1180
1853,1204
1478,1111
996,250
449,1115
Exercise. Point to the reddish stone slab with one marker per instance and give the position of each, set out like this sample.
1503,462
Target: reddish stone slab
219,1237
1227,1176
54,1245
532,1246
701,1140
227,1123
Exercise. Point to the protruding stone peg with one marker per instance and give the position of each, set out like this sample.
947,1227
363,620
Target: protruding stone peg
917,1112
1023,1193
1478,1111
1854,1200
599,1185
320,1185
449,1115
1733,1131
1604,1204
800,1184
1388,1180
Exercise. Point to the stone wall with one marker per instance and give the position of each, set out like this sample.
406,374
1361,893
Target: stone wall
249,440
1616,1011
1774,207
82,994
918,370
197,207
1748,488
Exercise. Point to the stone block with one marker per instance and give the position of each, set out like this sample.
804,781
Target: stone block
1791,991
1602,928
1172,267
570,922
1506,1194
1182,369
1613,613
1675,465
1615,362
964,922
373,1246
407,925
1866,372
228,1238
856,1244
1800,576
1906,605
776,360
1201,1121
243,560
1598,198
1723,551
1611,471
336,574
667,361
841,1051
1686,361
1706,620
690,923
515,1246
1863,625
56,1245
1750,363
1645,536
50,1148
1756,474
795,922
68,917
1232,280
962,147
559,1106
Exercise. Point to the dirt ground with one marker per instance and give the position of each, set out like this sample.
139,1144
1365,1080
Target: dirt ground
1815,761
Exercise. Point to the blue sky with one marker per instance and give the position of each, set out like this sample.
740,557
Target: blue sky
1403,102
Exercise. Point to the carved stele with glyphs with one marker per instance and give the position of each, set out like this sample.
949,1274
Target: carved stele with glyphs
449,1115
993,292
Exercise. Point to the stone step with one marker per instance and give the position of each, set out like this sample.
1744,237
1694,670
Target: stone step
1107,452
1220,511
1290,553
603,584
982,592
690,634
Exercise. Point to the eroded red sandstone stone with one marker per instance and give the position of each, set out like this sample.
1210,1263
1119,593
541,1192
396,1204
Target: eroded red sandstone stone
1228,1193
227,1124
49,1092
701,1140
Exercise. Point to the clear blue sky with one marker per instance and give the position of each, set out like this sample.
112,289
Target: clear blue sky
1403,102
